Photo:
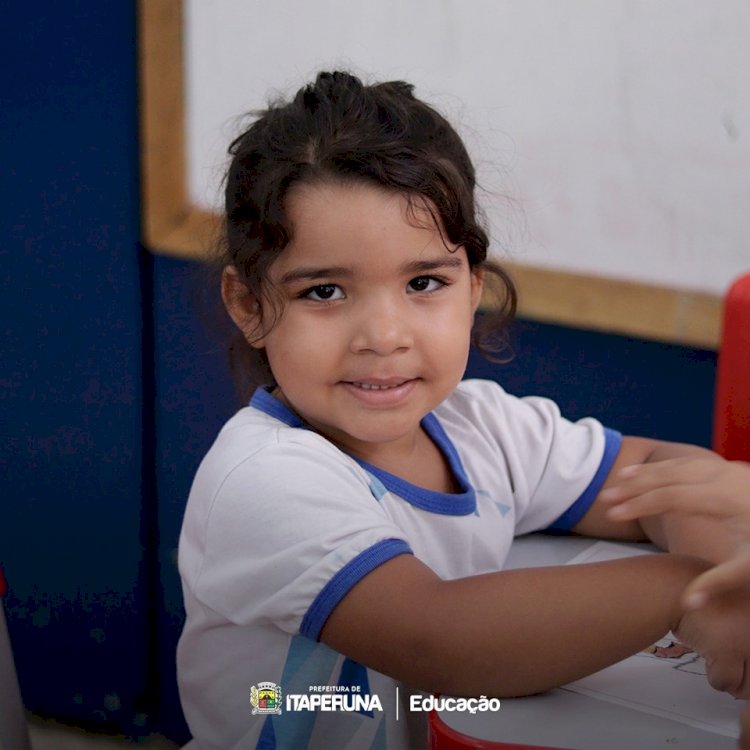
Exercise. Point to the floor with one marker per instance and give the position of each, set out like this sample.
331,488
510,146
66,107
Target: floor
49,735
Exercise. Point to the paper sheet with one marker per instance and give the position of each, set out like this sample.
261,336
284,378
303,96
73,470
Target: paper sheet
669,682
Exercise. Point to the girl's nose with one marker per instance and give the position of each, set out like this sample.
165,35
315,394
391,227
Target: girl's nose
382,329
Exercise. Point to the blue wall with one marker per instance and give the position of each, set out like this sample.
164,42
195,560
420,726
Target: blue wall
113,385
638,387
193,397
72,461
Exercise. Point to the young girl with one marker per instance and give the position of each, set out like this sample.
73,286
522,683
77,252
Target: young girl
346,533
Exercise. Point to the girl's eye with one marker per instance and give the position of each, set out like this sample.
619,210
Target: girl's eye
425,284
324,293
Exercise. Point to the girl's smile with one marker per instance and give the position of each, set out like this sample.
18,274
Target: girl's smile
386,392
377,316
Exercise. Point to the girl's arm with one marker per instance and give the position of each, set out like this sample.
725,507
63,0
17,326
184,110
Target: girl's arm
524,631
514,632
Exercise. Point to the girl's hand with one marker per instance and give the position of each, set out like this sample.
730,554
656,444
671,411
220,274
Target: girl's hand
692,485
745,729
720,633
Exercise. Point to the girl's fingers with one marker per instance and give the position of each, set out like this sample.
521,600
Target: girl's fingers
645,505
705,484
640,478
727,674
691,499
745,727
728,576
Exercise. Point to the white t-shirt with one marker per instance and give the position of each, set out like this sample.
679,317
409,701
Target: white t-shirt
280,524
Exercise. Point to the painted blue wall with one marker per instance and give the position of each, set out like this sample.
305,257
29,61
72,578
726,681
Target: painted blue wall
639,387
73,483
193,397
112,383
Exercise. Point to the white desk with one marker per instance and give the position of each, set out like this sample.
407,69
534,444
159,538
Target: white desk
565,719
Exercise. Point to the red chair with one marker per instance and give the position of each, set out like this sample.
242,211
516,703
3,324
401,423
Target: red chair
442,737
731,428
14,732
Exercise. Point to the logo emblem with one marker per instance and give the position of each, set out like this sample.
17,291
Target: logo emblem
265,698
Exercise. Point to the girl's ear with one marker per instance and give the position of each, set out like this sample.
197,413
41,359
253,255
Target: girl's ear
243,307
477,285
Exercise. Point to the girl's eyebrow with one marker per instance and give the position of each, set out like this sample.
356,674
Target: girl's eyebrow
425,266
315,274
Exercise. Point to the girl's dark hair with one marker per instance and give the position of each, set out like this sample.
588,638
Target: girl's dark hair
338,129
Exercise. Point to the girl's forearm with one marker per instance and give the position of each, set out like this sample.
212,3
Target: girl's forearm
544,627
699,536
510,633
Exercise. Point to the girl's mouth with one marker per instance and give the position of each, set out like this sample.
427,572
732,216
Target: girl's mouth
377,386
388,392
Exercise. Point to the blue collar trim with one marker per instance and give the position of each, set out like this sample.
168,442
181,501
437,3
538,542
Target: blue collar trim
462,503
264,401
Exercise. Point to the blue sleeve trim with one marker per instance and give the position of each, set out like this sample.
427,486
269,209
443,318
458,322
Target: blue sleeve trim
612,442
341,583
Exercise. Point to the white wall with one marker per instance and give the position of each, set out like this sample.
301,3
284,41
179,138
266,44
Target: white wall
620,128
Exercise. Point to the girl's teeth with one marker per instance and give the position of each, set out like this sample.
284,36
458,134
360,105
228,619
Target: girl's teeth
372,387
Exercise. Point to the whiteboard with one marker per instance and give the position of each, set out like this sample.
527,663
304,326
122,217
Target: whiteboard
612,137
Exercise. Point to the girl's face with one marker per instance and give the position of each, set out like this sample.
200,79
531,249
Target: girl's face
377,316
